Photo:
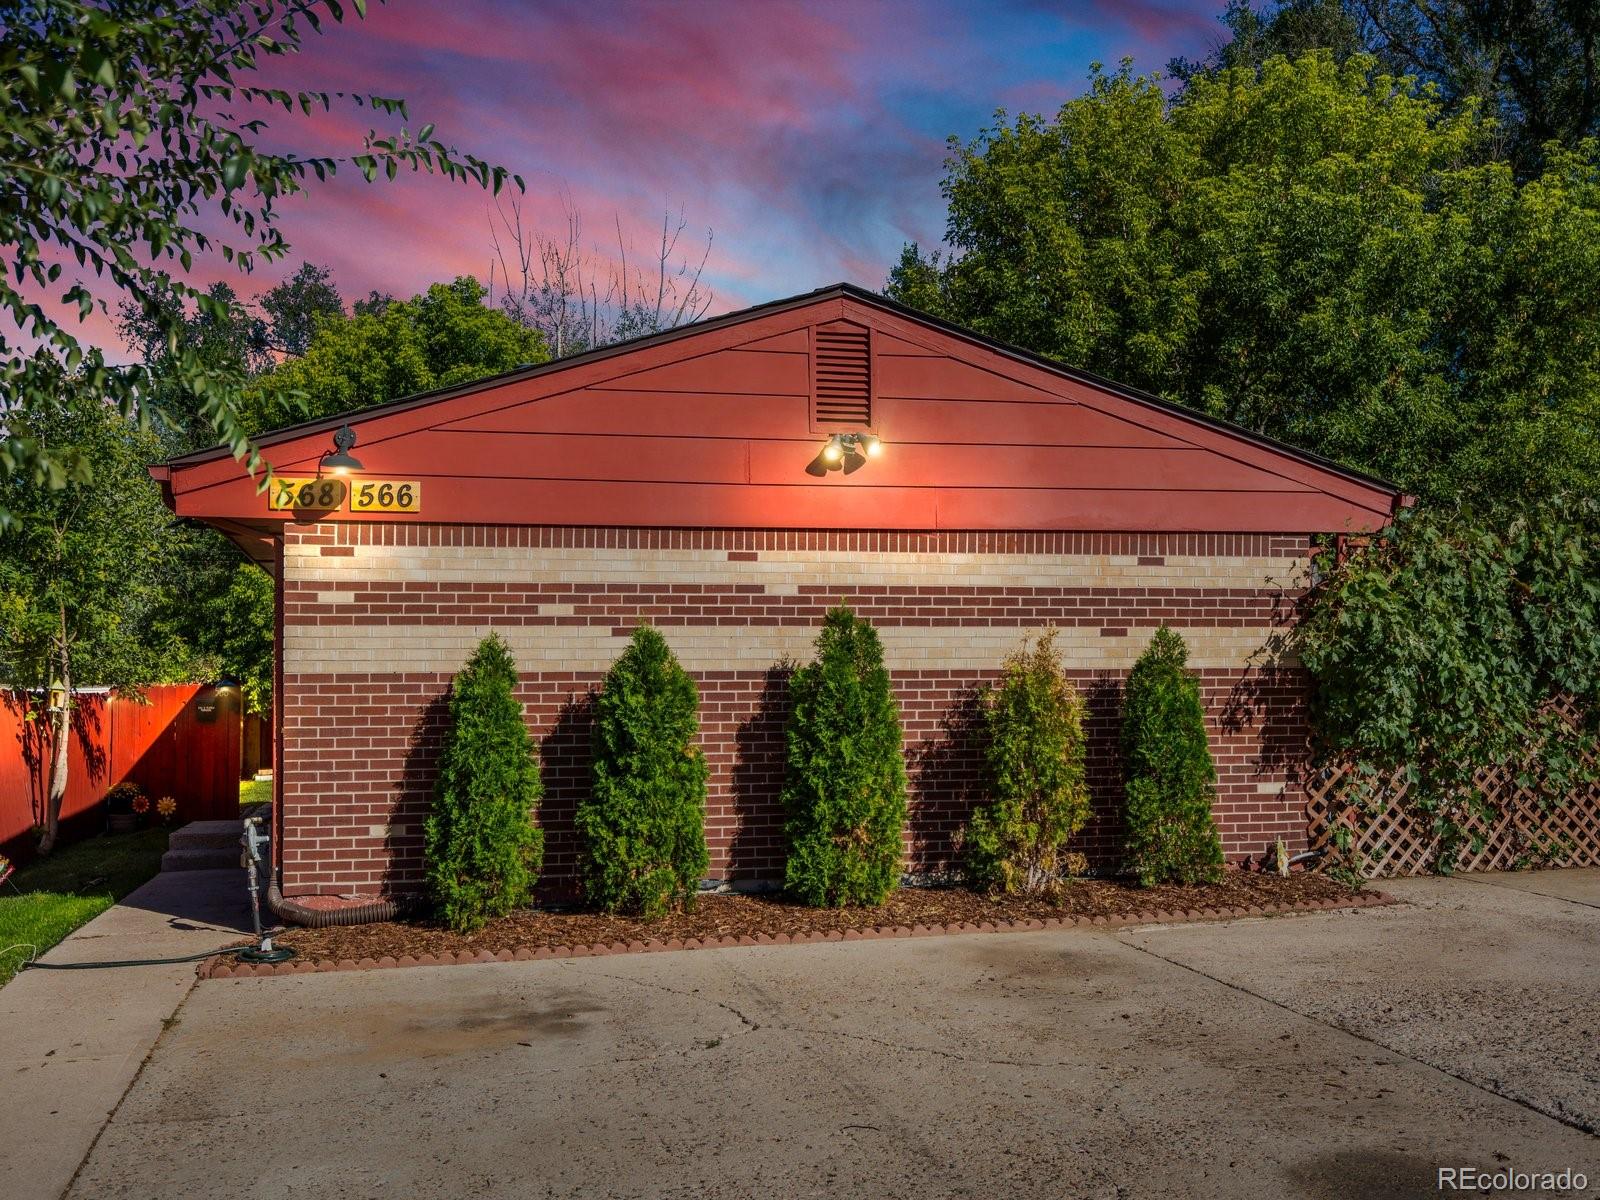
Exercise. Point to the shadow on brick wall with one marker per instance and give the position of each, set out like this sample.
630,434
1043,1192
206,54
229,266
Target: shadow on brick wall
418,776
759,845
946,777
1100,840
565,753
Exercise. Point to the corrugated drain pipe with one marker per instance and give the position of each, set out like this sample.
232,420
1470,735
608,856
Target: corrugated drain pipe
322,918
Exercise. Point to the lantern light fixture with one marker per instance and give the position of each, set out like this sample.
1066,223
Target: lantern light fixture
341,461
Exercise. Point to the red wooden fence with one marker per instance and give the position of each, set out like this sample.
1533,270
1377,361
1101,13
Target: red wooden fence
182,740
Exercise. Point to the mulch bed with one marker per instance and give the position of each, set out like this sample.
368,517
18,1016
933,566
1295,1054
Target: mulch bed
726,920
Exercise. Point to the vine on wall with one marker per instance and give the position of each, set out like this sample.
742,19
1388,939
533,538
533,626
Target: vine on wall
1454,642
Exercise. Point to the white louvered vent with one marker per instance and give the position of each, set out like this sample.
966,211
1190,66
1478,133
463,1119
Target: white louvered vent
842,380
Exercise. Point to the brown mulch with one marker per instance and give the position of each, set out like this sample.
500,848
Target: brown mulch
753,915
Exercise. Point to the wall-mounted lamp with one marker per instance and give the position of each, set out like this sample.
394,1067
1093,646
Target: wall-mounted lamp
342,462
849,450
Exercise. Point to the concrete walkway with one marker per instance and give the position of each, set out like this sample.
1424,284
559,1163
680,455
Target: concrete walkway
72,1041
1330,1055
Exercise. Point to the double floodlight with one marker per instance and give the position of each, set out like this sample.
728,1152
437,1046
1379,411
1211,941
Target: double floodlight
843,449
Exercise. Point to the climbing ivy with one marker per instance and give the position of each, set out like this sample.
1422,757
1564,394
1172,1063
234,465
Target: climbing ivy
1457,641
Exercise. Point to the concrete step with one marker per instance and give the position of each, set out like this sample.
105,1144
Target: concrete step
205,859
207,835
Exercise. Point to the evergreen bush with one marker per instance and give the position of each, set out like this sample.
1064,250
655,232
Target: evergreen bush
643,826
845,779
481,846
1034,755
1169,776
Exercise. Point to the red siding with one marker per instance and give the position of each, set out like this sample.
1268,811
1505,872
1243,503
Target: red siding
713,428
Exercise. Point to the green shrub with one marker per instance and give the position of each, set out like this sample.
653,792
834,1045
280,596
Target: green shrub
1167,768
845,779
643,826
482,848
1034,757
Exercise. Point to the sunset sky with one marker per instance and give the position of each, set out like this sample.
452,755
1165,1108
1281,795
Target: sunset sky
808,136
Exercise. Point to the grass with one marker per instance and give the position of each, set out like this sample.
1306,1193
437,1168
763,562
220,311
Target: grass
45,901
255,791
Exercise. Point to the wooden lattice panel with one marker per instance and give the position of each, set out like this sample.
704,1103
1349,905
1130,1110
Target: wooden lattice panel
1520,830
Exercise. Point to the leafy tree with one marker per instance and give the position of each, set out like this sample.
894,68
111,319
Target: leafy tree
1169,778
845,783
78,571
1453,643
1528,65
643,824
294,307
1313,250
1035,759
1289,29
129,137
394,348
236,632
482,848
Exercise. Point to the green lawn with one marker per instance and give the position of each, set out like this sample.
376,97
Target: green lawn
47,900
255,791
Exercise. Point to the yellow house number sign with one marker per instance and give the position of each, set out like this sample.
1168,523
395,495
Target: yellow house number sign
365,495
386,495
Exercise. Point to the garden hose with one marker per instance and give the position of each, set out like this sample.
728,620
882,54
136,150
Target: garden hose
35,965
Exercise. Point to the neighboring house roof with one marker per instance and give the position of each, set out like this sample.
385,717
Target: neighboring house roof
717,423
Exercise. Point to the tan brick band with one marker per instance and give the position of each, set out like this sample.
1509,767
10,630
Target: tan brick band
357,649
335,567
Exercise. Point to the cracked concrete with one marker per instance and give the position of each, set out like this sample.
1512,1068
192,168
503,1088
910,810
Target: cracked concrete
1186,1061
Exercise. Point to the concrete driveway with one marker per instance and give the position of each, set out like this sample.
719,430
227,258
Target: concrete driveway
1344,1054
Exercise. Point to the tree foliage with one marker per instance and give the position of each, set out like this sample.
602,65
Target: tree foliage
481,845
845,781
1034,753
130,137
643,823
1530,66
1168,776
79,570
1314,250
1454,642
393,348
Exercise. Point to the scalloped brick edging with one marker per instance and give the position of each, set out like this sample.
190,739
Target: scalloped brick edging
221,969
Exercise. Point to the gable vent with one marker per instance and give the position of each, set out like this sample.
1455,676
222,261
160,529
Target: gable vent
842,379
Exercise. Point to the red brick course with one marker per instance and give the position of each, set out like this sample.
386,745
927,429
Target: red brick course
623,605
359,750
866,541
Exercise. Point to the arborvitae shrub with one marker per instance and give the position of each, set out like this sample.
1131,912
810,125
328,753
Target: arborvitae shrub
643,825
845,780
1033,752
482,848
1169,776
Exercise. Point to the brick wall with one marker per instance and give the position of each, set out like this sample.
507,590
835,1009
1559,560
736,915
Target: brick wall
377,617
